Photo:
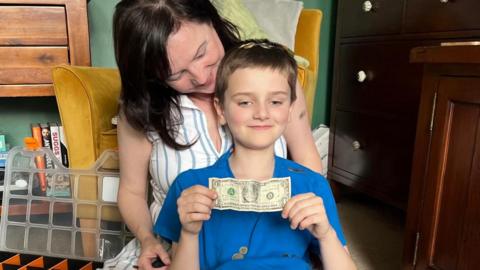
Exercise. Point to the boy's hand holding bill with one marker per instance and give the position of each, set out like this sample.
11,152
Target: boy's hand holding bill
307,211
195,206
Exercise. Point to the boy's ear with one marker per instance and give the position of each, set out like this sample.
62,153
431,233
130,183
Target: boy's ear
220,112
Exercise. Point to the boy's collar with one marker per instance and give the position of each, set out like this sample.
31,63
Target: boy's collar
223,163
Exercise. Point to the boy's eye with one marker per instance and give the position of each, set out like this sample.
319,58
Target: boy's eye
244,103
277,102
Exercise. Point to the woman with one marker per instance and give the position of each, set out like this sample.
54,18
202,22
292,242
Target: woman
167,53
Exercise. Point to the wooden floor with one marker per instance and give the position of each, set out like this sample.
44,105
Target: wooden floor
374,232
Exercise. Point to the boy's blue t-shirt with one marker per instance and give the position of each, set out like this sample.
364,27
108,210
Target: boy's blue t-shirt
267,238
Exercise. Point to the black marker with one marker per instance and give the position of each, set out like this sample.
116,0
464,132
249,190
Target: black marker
157,263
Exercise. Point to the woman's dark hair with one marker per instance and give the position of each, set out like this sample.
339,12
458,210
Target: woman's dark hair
140,32
256,54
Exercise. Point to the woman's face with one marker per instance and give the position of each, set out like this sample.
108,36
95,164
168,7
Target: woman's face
194,51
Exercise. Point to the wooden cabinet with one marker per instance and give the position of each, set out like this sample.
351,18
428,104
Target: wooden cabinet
368,18
443,220
36,35
441,16
376,89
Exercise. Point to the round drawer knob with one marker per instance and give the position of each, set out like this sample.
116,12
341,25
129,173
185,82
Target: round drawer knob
361,76
367,6
356,145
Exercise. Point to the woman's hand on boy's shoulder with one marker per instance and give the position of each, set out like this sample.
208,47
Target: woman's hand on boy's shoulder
306,211
195,206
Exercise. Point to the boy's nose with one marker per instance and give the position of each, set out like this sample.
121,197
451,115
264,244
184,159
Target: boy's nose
261,112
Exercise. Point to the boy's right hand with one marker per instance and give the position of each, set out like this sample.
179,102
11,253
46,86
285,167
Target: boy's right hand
194,206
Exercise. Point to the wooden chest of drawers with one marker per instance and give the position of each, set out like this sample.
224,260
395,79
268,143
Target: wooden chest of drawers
36,35
376,90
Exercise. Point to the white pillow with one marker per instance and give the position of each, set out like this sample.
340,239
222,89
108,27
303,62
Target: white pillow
278,18
321,136
237,13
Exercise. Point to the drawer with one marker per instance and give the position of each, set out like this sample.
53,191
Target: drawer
445,15
384,17
32,25
374,151
29,65
378,77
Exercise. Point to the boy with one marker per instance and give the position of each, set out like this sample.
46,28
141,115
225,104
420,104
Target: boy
254,96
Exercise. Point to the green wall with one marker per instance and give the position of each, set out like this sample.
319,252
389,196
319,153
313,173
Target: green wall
100,14
16,115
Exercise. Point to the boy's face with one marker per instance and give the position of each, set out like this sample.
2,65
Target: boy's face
256,107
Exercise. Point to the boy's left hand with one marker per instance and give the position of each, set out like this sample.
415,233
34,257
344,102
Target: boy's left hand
307,211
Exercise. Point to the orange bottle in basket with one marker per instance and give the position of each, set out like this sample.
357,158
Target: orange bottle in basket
33,145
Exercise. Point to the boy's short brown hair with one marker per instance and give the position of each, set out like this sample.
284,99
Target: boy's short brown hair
256,54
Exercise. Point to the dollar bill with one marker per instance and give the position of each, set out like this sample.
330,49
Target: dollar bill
251,195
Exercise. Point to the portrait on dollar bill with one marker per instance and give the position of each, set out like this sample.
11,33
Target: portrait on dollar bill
250,193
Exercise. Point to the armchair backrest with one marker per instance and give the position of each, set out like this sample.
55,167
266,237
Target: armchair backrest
307,44
87,100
